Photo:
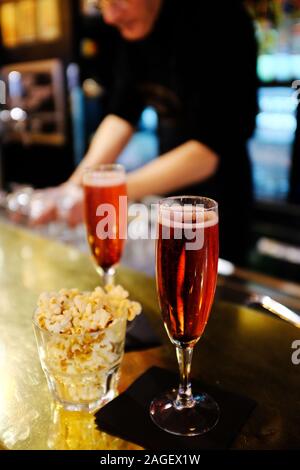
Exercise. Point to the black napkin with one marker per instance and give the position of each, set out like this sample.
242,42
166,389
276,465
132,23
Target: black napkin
128,415
140,335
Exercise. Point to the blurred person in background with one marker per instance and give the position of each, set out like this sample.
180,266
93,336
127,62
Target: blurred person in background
195,63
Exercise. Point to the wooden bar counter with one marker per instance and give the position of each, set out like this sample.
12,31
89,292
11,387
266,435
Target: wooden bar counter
242,350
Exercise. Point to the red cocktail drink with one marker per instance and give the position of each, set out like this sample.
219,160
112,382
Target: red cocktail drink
187,254
105,207
186,278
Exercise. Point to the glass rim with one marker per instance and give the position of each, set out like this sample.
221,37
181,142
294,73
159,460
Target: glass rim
105,167
163,203
93,334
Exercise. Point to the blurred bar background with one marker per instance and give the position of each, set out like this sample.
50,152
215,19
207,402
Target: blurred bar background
57,80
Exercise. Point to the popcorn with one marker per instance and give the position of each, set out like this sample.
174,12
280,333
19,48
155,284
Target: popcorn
81,339
72,312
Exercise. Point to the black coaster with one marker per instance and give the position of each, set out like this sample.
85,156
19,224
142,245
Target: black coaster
140,335
128,415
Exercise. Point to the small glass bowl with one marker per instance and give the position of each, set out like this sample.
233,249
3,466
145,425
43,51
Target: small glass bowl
82,371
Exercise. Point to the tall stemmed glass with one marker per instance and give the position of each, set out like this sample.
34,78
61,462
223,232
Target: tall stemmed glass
187,254
105,205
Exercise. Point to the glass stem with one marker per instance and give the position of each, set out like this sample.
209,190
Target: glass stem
185,397
109,276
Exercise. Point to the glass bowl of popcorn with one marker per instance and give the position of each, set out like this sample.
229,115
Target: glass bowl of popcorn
80,338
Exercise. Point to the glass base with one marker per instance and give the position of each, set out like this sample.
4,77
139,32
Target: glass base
88,407
192,421
63,392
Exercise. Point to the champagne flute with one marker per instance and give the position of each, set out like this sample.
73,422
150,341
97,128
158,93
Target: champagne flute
187,254
105,206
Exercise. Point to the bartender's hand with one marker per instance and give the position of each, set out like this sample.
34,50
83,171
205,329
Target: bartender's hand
63,203
66,201
70,205
42,208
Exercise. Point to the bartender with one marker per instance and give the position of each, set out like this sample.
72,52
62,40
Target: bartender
195,63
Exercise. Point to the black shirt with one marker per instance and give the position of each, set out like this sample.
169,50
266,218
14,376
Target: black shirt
198,69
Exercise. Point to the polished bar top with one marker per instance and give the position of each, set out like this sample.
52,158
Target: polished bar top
242,350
